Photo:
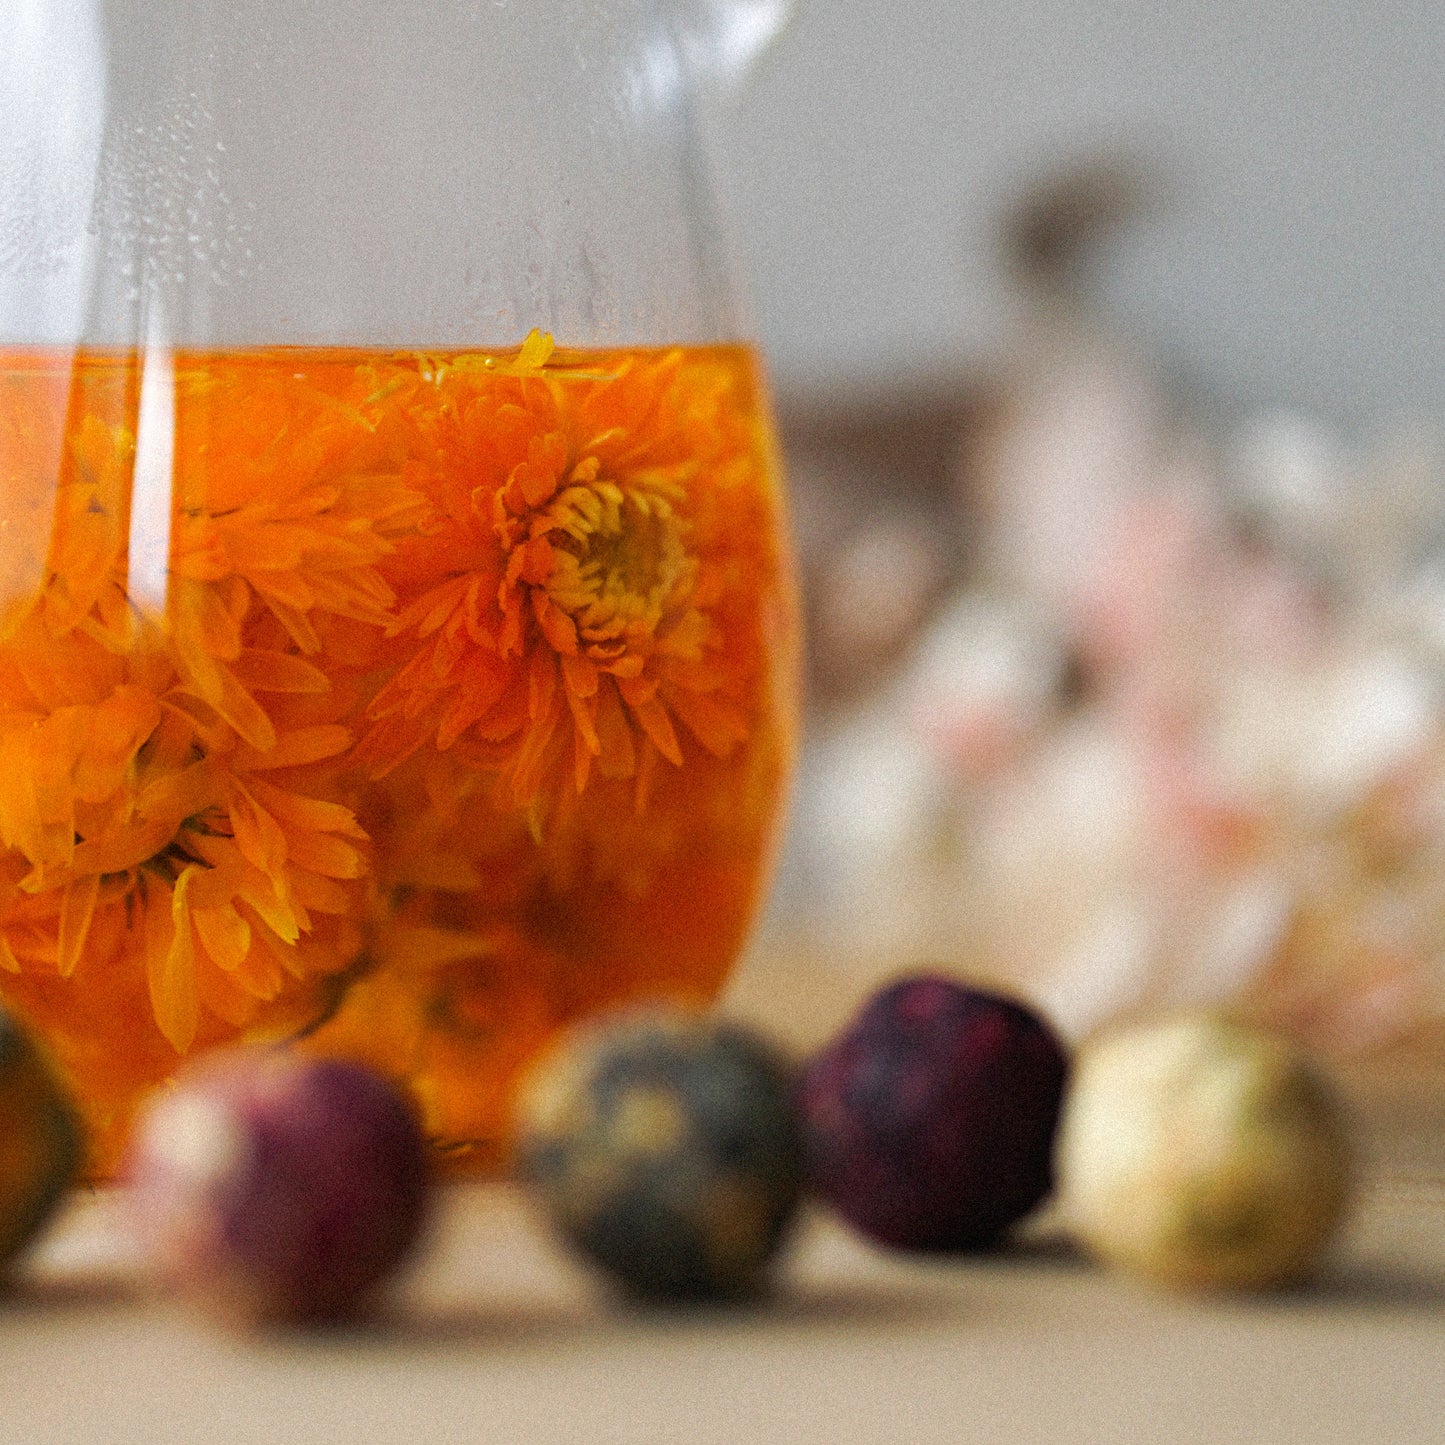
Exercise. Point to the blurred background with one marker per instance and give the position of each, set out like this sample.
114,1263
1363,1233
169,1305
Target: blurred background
1293,251
1108,353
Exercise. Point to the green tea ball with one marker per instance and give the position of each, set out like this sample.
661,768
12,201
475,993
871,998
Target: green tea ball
665,1152
40,1139
1202,1154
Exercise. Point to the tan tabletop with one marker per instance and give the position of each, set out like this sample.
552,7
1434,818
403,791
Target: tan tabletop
499,1339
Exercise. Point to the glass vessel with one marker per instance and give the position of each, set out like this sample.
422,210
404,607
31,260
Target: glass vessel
396,620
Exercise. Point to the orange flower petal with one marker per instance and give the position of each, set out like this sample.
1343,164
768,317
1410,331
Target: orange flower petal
258,892
304,812
557,627
617,758
298,747
530,766
258,836
213,683
539,562
121,724
541,685
636,691
716,725
325,854
77,907
658,726
124,849
224,934
472,703
325,895
297,624
171,962
582,718
263,670
580,674
432,608
172,796
582,753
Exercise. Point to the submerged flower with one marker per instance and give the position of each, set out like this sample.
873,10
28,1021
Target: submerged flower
168,808
82,586
290,514
565,598
408,704
154,836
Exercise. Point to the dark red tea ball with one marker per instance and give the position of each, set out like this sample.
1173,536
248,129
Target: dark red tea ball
277,1188
929,1122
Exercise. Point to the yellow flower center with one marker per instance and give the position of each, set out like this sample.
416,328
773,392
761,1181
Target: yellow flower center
620,561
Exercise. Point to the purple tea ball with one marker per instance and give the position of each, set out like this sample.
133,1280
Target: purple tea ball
929,1122
276,1188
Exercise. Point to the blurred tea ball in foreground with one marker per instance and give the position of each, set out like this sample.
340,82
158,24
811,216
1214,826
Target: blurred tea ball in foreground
1200,1153
928,1123
40,1139
275,1188
665,1151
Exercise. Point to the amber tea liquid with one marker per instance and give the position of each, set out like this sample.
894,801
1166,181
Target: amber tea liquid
407,705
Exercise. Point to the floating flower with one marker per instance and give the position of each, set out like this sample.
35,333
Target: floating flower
561,611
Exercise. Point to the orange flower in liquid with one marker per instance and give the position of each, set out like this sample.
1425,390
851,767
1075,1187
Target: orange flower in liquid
458,703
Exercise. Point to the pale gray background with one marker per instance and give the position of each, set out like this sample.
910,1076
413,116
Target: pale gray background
1305,140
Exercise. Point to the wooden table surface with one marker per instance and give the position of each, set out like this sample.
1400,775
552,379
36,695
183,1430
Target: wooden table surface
498,1338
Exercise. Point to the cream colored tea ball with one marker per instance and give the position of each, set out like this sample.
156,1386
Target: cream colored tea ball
1200,1153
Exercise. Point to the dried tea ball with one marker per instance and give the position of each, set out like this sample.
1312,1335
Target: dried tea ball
665,1151
276,1188
1200,1153
929,1122
40,1139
